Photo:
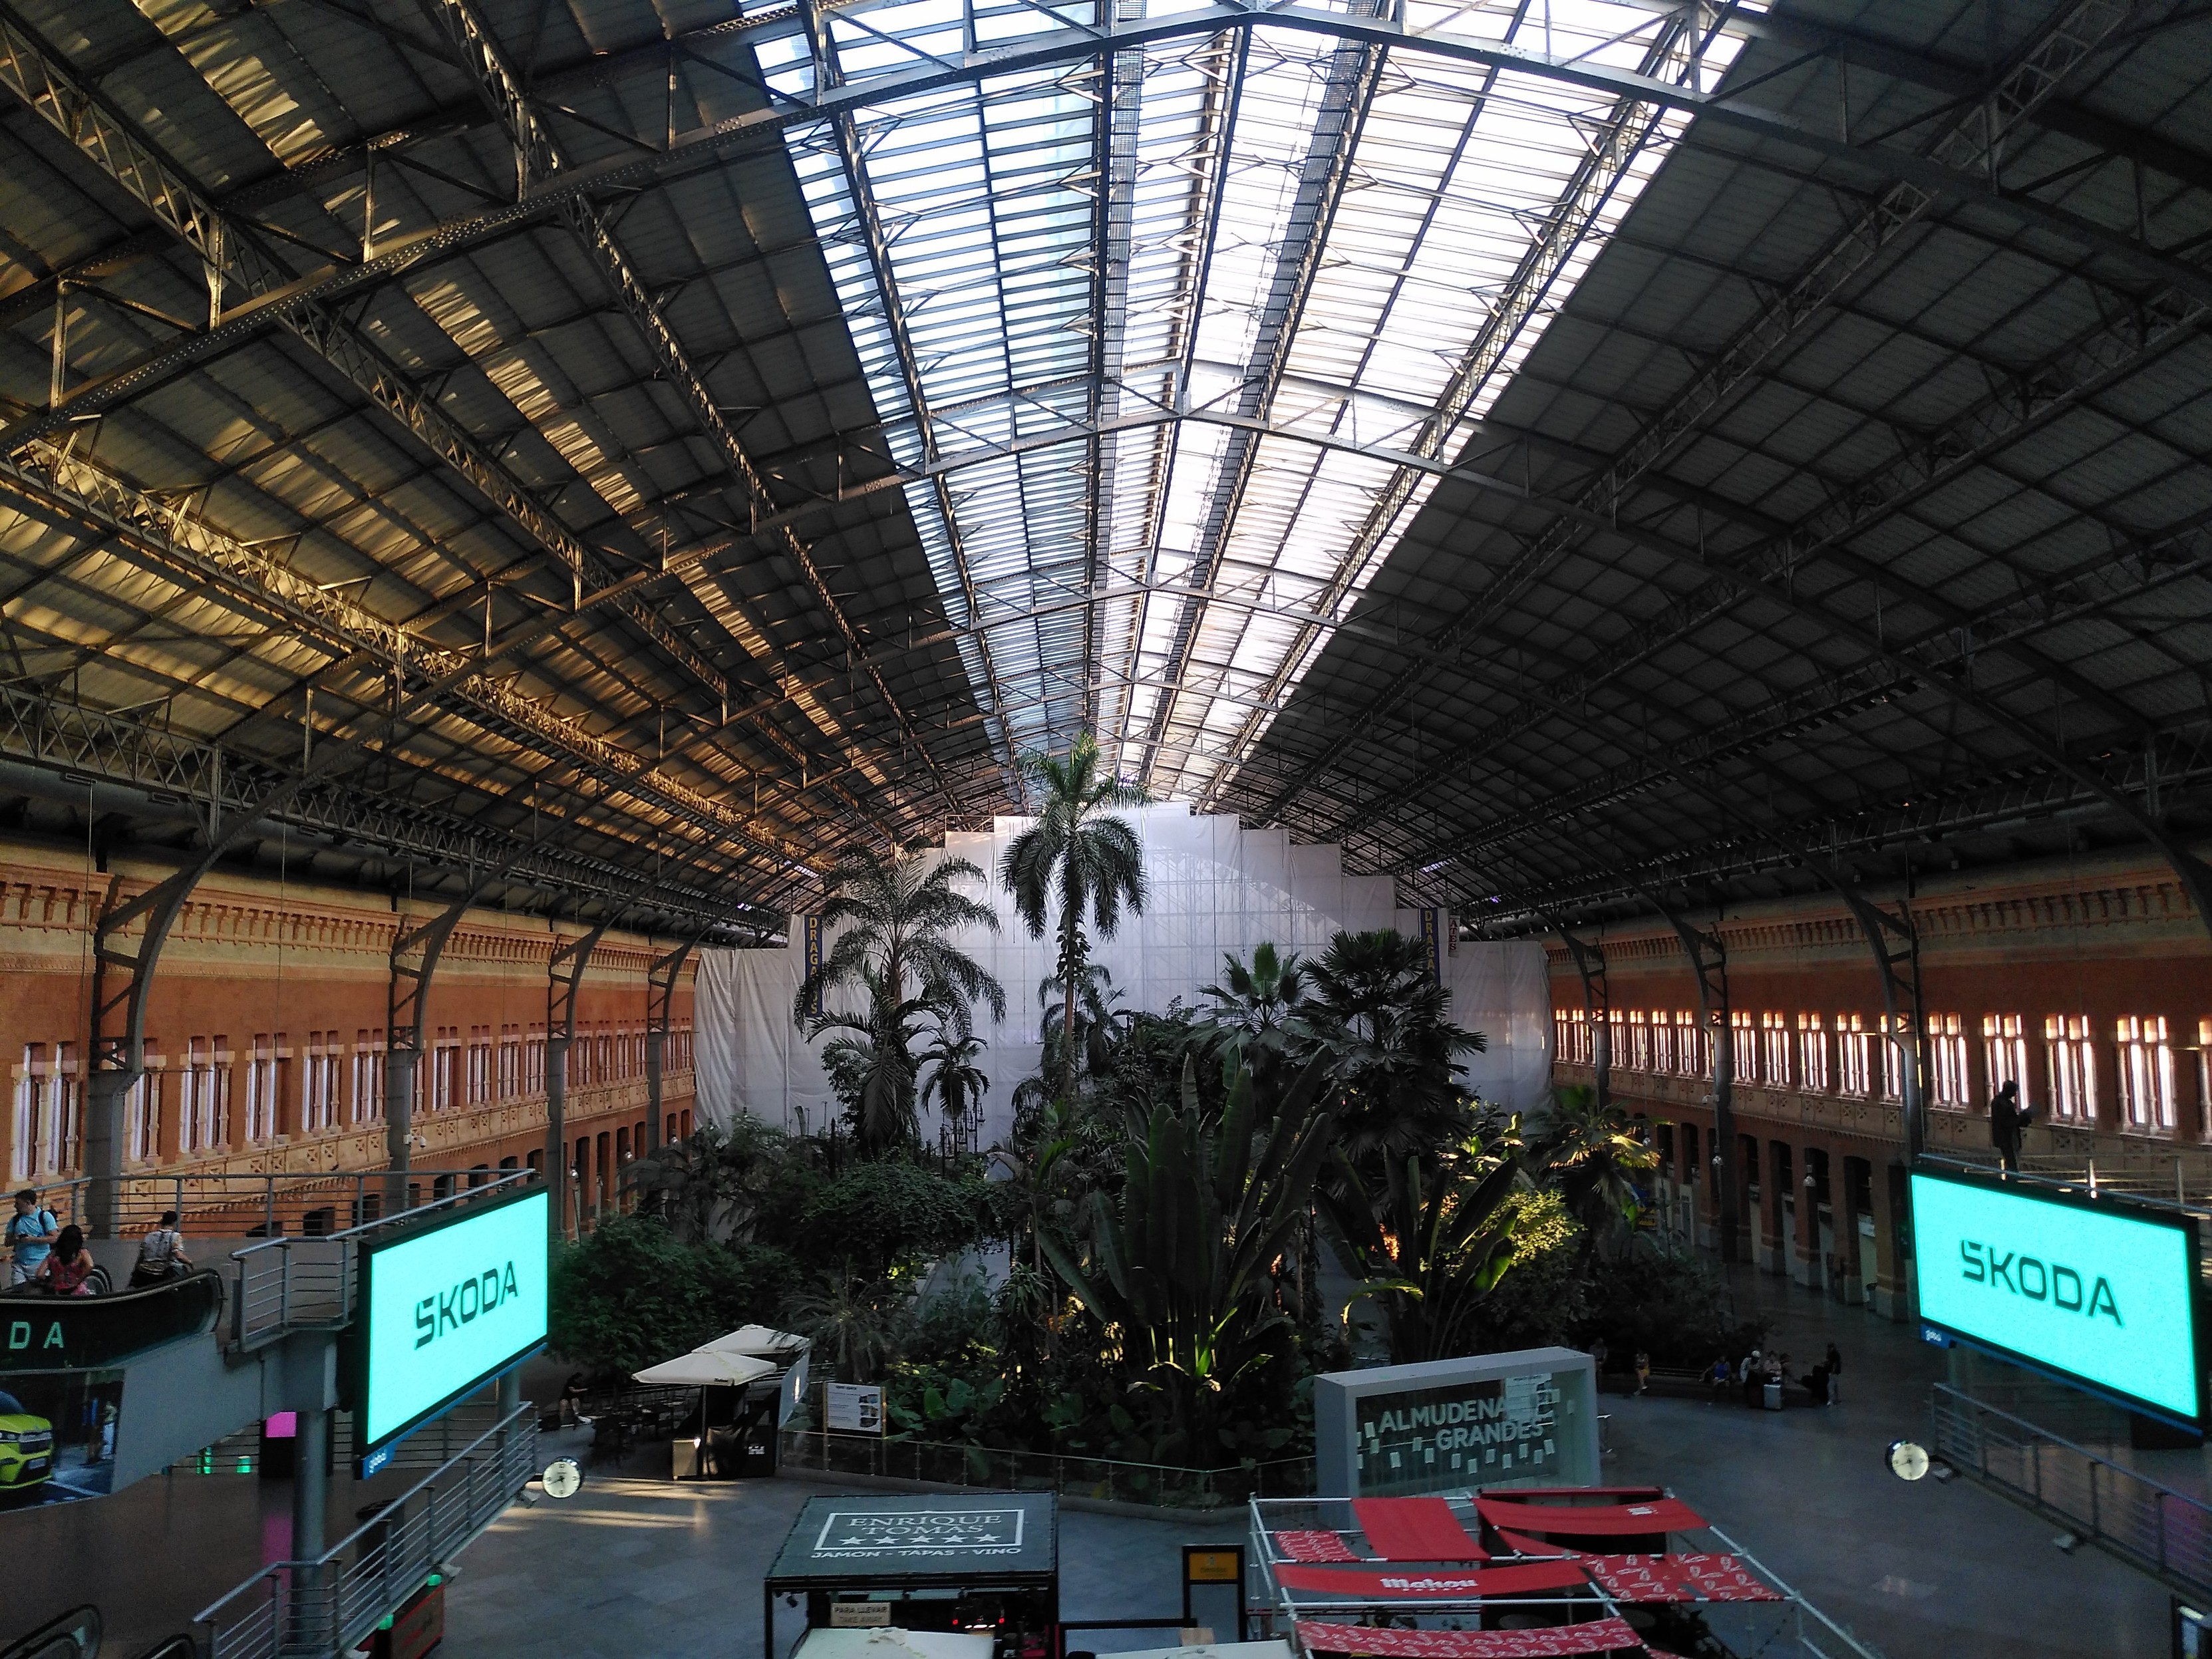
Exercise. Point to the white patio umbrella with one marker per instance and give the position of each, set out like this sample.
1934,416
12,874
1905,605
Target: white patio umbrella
705,1368
758,1340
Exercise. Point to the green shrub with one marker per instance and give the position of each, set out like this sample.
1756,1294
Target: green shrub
633,1294
886,1213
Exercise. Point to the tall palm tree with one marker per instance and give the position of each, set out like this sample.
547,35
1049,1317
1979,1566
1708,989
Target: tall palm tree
1381,1011
953,1078
894,912
1079,853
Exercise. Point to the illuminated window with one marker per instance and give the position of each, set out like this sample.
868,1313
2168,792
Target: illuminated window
1743,1044
1639,1041
2146,1072
1813,1053
142,1115
1949,1085
2073,1059
1662,1039
2004,1052
318,1083
510,1062
204,1111
1774,1049
1694,1056
368,1076
30,1112
1571,1035
1854,1062
1894,1044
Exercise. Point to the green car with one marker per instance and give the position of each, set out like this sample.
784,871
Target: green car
26,1447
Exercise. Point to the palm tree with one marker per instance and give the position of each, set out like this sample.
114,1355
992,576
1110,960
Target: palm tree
894,912
1079,853
1254,1017
1592,1157
1181,1268
954,1079
1381,1012
1431,1244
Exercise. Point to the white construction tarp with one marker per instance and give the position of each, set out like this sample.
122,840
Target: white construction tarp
1213,888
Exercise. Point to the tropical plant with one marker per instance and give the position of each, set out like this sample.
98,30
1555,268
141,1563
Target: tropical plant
951,1077
891,916
1593,1156
1431,1244
632,1293
1255,1016
1081,856
714,1185
1381,1013
884,1217
859,1326
1180,1269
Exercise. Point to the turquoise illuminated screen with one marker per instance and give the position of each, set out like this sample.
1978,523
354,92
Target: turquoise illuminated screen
444,1310
2087,1289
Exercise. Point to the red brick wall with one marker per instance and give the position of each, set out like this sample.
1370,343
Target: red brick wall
251,958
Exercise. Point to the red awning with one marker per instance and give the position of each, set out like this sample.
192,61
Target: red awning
1313,1544
1654,1578
1409,1583
1591,1520
1522,1544
1598,1636
1415,1529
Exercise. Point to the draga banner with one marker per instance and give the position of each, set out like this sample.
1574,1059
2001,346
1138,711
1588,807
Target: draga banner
58,1435
2100,1291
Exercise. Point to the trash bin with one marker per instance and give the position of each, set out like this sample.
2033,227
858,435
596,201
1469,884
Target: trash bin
1772,1396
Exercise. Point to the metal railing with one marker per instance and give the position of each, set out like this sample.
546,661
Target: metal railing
307,1283
304,1204
1158,1486
2166,1533
326,1606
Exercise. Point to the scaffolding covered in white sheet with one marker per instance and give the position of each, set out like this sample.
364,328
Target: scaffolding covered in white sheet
1213,888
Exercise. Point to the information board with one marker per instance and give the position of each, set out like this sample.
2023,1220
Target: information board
853,1407
443,1308
1527,1418
2097,1290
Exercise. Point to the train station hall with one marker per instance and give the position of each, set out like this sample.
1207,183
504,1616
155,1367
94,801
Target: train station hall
1105,829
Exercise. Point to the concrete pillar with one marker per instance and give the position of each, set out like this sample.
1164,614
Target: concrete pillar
1809,1269
311,1484
106,1093
1846,1171
1774,1169
1892,1299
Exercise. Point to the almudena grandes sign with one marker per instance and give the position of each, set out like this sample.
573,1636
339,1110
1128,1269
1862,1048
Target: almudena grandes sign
1528,1418
2102,1290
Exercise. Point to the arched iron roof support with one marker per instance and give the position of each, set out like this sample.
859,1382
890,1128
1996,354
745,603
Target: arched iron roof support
416,948
564,976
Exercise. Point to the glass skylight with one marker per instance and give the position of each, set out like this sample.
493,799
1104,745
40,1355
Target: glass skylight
1158,333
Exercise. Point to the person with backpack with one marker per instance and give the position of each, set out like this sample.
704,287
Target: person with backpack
161,1255
32,1231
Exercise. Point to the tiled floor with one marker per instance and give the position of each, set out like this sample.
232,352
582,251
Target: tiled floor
634,1568
1939,1569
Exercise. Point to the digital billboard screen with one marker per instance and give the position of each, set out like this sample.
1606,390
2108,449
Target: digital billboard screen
2100,1291
442,1310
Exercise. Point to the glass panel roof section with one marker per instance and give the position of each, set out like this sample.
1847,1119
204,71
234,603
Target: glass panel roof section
1173,336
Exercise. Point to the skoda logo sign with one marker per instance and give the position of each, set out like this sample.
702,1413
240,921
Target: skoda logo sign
2037,1280
467,1302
